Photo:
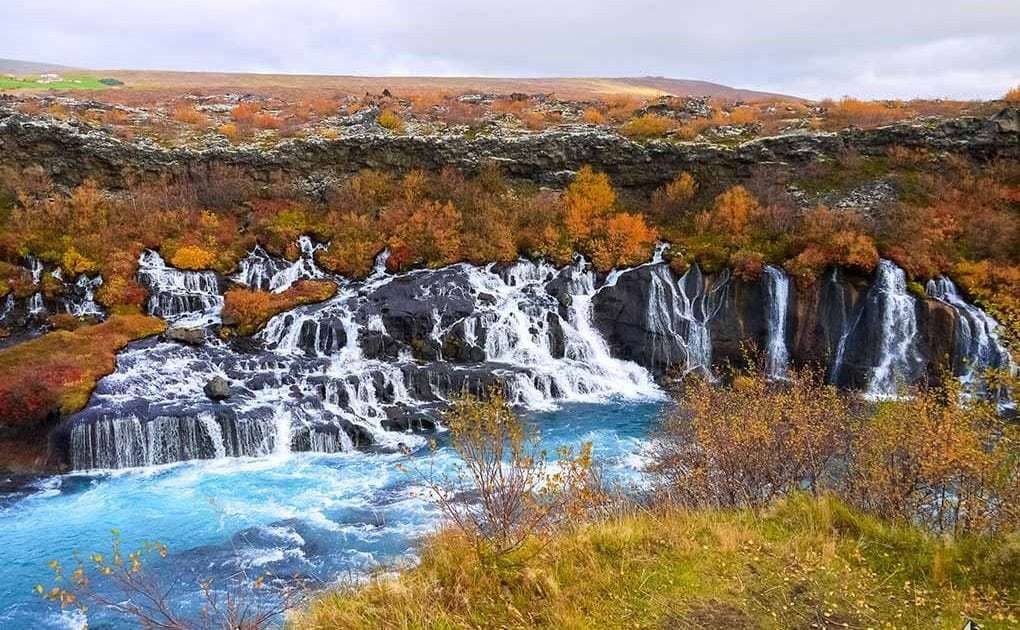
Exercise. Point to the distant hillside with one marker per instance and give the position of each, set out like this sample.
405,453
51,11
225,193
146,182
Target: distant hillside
565,87
18,67
688,87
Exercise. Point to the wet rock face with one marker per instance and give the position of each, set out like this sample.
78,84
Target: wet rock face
72,152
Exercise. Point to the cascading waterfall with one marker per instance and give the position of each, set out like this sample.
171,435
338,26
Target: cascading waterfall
6,306
186,298
778,290
977,344
679,312
376,362
259,270
303,268
316,387
81,302
897,330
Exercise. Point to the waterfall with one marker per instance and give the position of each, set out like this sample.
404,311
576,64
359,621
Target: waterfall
258,269
350,371
777,285
678,316
897,330
977,346
847,324
187,298
303,268
81,300
7,306
35,305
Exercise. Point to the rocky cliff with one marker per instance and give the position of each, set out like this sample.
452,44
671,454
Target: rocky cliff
71,152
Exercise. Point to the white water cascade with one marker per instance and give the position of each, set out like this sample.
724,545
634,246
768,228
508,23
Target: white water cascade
978,347
897,330
186,298
777,286
259,270
82,301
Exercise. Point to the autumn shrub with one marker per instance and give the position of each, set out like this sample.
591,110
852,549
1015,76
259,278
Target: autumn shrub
55,373
938,459
625,241
115,117
186,113
354,244
229,130
123,584
647,126
422,232
266,121
1012,95
193,258
246,311
853,112
245,113
593,116
752,441
825,237
389,119
517,491
589,199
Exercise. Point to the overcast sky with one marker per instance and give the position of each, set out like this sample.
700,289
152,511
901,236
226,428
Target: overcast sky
811,48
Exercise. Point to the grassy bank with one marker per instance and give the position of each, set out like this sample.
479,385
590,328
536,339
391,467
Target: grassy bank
53,376
804,563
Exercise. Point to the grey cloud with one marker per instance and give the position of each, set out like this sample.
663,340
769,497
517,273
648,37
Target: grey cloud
871,48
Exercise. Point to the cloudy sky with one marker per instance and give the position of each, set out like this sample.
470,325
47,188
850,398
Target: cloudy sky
812,48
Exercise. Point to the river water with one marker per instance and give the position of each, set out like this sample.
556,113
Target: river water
324,518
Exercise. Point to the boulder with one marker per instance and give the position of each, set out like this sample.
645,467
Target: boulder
187,336
217,388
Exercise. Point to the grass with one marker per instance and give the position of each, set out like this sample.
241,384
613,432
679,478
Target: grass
83,82
805,563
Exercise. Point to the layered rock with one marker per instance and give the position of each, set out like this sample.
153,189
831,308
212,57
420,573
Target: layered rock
72,152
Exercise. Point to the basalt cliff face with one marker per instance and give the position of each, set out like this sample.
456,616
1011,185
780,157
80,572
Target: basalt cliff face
72,152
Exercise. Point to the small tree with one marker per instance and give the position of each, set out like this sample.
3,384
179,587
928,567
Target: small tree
515,490
118,583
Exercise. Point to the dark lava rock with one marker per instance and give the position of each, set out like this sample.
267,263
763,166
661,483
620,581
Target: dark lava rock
217,388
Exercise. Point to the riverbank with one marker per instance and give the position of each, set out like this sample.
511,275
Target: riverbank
802,563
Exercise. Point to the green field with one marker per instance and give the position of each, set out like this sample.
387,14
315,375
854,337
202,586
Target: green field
66,83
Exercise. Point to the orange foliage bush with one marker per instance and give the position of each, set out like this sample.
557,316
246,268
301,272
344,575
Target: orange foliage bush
625,241
186,113
593,116
193,258
115,117
390,120
647,126
246,311
57,372
245,113
589,198
850,111
355,242
1013,95
828,238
